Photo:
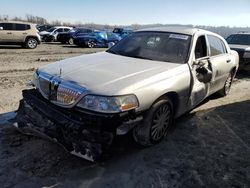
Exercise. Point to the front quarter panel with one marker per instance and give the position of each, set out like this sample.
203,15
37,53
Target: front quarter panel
176,80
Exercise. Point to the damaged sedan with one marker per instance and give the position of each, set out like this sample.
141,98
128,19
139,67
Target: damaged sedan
141,84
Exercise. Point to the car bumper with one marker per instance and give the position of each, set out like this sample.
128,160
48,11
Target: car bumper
84,134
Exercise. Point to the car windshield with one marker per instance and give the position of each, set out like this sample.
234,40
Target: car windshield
158,46
241,39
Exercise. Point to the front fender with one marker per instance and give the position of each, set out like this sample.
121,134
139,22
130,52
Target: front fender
177,80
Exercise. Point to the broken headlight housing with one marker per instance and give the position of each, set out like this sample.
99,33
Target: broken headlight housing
107,104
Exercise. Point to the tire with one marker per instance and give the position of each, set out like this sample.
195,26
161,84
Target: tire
31,43
227,86
91,44
156,123
71,41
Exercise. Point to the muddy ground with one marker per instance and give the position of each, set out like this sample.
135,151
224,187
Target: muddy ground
208,147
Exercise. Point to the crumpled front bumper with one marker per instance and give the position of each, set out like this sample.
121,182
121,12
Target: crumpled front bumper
84,135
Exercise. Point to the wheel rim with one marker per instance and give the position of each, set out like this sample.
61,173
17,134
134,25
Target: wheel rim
71,41
91,44
32,43
160,123
228,84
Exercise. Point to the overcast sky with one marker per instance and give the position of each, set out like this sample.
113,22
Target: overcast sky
196,12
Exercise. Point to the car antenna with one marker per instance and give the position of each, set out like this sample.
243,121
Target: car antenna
60,73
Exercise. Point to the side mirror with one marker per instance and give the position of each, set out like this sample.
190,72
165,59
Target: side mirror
200,62
1,28
204,74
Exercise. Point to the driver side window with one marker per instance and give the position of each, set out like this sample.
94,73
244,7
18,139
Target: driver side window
200,48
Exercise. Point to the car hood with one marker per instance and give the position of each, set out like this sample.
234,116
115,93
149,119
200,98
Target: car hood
106,73
239,47
44,33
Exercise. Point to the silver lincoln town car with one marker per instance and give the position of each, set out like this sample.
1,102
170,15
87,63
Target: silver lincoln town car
140,84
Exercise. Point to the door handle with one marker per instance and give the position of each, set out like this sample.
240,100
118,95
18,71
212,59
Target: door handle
9,33
25,33
229,60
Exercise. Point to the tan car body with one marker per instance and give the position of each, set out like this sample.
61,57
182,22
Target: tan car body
12,35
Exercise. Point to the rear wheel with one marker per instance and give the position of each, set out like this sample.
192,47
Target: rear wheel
71,41
31,43
227,86
91,44
156,123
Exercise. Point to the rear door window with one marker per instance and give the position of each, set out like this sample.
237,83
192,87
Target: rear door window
22,27
216,45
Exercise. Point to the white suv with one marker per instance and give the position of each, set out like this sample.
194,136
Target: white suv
51,34
21,33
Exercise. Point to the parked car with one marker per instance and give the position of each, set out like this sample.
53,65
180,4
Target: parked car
96,39
141,84
51,34
68,37
19,33
240,42
122,32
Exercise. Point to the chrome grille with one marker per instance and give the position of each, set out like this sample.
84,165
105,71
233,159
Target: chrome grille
59,92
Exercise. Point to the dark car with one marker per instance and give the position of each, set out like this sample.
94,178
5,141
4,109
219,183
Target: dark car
122,32
68,37
240,42
97,39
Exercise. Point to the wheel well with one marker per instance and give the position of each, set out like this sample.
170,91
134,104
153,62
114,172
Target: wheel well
28,37
233,71
173,96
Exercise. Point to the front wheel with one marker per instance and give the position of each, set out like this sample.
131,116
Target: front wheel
156,123
227,86
31,43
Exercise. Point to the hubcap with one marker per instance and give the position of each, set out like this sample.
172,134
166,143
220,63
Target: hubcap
91,44
161,122
71,41
32,43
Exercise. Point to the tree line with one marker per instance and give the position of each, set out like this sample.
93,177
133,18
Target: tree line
221,30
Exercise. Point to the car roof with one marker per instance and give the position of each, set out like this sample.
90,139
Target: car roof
175,29
17,22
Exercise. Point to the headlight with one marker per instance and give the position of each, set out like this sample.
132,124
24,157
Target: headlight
246,55
109,104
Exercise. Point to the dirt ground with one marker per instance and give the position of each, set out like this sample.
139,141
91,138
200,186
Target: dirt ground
208,147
